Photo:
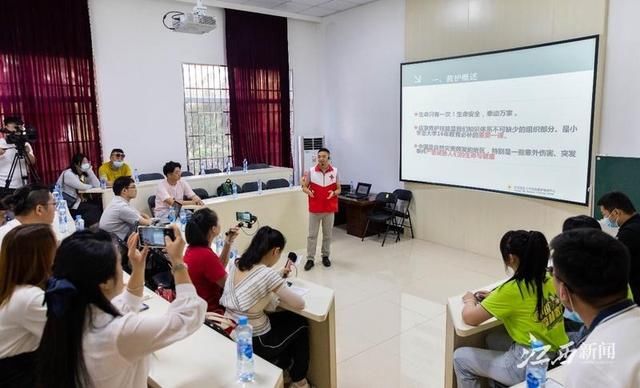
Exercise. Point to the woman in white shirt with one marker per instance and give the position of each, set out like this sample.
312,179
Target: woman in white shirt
250,288
25,264
95,335
79,176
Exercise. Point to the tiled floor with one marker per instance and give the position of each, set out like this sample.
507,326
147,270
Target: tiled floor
390,306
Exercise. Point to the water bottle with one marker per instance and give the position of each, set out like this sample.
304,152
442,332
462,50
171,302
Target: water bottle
259,186
244,343
79,223
62,217
235,191
291,181
183,219
219,244
536,372
203,167
229,166
245,165
136,176
351,188
56,194
172,215
233,254
103,182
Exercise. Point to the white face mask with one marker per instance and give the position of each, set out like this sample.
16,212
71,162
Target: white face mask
118,163
85,167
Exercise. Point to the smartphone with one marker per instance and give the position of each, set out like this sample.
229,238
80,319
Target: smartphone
243,216
153,236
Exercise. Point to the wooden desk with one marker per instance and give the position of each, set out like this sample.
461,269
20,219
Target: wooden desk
459,334
209,182
354,212
320,311
204,359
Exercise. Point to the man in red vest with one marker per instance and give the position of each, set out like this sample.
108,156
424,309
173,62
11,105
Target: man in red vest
321,184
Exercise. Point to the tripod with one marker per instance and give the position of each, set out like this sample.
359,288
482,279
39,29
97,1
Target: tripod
18,158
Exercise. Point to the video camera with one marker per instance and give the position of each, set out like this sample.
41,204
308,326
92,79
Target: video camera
21,136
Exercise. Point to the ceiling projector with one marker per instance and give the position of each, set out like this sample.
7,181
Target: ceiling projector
197,22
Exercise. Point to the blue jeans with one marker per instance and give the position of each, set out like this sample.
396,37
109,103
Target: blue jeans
498,363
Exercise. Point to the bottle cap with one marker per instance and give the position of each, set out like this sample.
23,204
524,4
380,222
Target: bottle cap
242,320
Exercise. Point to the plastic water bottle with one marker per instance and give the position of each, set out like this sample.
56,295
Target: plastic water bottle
244,346
219,244
245,165
228,166
233,254
351,186
136,176
62,217
172,215
103,182
259,186
79,223
203,167
235,191
536,373
183,219
291,181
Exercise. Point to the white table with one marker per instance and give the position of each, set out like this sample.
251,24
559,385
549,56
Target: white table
285,209
204,359
209,182
320,311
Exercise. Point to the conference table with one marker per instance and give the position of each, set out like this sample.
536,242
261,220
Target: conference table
209,182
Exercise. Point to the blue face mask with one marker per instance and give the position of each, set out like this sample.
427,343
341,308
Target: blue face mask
610,223
572,315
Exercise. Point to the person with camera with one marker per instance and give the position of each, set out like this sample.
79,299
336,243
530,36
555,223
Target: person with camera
95,335
206,269
12,143
280,337
79,176
31,204
120,217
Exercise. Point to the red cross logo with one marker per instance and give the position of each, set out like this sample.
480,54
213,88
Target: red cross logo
331,176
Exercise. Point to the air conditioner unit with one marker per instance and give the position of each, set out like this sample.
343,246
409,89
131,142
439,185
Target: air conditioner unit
308,152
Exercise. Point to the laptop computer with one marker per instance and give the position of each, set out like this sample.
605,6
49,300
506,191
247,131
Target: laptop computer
362,191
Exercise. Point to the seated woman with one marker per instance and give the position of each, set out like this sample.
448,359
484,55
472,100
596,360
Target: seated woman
206,269
78,177
527,304
25,264
95,335
281,336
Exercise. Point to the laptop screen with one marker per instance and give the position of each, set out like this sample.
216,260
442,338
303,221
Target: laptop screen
363,188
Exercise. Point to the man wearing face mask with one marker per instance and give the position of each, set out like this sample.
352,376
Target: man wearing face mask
590,274
618,211
115,167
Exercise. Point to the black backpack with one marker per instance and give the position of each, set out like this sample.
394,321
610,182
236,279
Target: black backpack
226,188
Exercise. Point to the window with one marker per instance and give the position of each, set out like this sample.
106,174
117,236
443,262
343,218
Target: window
206,112
206,115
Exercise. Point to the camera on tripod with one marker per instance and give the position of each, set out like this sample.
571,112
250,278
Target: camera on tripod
21,136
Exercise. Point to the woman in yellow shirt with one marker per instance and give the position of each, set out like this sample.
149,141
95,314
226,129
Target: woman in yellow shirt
528,306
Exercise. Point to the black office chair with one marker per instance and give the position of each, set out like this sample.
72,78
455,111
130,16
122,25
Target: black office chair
212,171
251,187
257,166
402,208
202,193
277,183
186,173
151,201
150,176
236,168
383,213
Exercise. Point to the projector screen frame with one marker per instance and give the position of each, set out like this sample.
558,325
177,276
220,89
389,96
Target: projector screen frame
588,187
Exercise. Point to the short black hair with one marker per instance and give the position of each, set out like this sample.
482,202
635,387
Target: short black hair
591,263
199,225
169,167
27,198
121,183
116,150
13,120
324,150
617,200
581,221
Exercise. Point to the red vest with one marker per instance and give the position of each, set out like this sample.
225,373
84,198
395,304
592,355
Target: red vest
321,183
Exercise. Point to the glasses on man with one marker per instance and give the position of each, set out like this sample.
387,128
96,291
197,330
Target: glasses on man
118,155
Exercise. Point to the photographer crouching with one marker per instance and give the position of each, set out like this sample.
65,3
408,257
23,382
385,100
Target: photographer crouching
16,156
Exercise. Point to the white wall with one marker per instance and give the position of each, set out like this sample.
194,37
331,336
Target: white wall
620,133
139,76
363,49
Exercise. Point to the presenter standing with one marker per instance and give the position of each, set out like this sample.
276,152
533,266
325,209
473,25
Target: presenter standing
321,184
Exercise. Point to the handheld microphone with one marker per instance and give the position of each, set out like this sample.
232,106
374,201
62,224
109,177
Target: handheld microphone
291,259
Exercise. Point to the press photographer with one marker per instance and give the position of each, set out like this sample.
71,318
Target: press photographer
16,156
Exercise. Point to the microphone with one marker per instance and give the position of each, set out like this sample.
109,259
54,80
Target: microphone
291,258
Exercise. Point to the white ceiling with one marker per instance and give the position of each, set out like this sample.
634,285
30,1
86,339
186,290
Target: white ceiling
313,8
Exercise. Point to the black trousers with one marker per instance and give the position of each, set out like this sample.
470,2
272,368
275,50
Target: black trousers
89,211
286,344
18,371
